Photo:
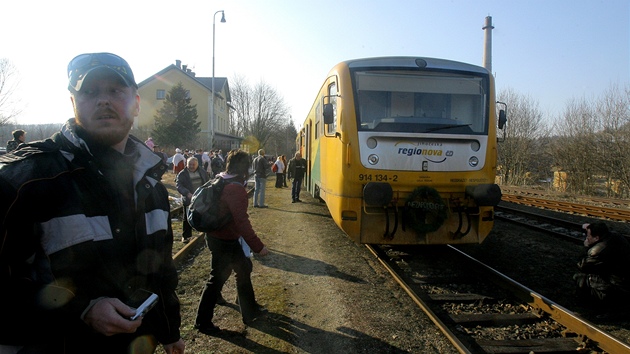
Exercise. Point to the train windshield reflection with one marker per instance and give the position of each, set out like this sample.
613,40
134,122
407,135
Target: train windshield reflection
403,101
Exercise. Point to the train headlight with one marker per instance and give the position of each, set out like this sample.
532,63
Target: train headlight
475,146
371,143
373,159
473,161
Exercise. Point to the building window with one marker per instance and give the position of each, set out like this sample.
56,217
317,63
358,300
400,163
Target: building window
160,94
188,94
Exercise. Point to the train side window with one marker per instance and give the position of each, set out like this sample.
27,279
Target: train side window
332,99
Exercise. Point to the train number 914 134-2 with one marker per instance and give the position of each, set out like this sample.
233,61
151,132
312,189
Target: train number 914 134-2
365,177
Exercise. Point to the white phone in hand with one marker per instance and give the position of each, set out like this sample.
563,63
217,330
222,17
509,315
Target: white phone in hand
146,305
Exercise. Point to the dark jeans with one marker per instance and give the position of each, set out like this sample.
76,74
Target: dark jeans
295,189
284,179
279,179
227,256
186,228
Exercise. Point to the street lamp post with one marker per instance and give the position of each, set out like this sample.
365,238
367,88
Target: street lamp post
211,122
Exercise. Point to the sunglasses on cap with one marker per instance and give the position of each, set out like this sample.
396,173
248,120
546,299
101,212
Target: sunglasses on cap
83,64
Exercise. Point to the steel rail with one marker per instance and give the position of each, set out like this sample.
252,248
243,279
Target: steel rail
421,303
568,230
585,332
588,210
570,225
512,190
583,328
571,231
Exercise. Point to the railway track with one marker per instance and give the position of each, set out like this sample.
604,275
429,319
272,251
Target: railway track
594,208
612,202
558,227
480,310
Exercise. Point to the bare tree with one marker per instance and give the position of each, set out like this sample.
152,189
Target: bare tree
518,152
8,85
282,141
240,93
259,112
41,131
575,147
593,144
613,112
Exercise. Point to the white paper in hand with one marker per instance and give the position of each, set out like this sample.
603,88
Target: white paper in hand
246,250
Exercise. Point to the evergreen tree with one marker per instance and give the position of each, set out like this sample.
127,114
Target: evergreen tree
176,122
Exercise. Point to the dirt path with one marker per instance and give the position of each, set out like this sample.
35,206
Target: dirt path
324,293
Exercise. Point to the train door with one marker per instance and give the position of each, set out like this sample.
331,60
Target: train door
307,156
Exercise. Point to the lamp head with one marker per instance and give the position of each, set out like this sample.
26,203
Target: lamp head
223,16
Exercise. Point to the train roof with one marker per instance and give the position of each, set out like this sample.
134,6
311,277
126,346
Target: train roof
414,62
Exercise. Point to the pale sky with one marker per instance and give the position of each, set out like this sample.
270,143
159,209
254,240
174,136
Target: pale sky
550,50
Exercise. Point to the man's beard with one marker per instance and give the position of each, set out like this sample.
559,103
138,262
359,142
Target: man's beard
103,138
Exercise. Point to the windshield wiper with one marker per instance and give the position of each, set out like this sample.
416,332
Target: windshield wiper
447,127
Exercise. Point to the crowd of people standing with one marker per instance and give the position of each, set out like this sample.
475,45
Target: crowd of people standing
294,170
212,161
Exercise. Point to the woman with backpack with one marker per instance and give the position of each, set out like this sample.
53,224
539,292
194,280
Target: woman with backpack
228,252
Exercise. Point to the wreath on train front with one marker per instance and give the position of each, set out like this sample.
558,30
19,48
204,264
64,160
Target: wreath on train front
424,210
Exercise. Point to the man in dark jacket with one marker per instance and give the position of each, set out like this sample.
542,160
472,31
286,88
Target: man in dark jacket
85,224
261,170
199,156
604,271
187,182
216,164
297,171
19,136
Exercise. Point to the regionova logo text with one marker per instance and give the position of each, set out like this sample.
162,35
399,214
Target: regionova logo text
420,151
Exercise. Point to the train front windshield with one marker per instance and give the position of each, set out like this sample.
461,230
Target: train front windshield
421,102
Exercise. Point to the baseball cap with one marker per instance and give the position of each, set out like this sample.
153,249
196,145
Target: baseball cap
84,64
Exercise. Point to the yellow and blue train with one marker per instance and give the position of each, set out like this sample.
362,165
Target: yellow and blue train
403,150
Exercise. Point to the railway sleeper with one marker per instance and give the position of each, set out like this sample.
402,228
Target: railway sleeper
440,280
461,298
546,345
494,319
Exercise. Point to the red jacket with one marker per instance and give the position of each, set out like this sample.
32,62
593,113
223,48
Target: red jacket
234,201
